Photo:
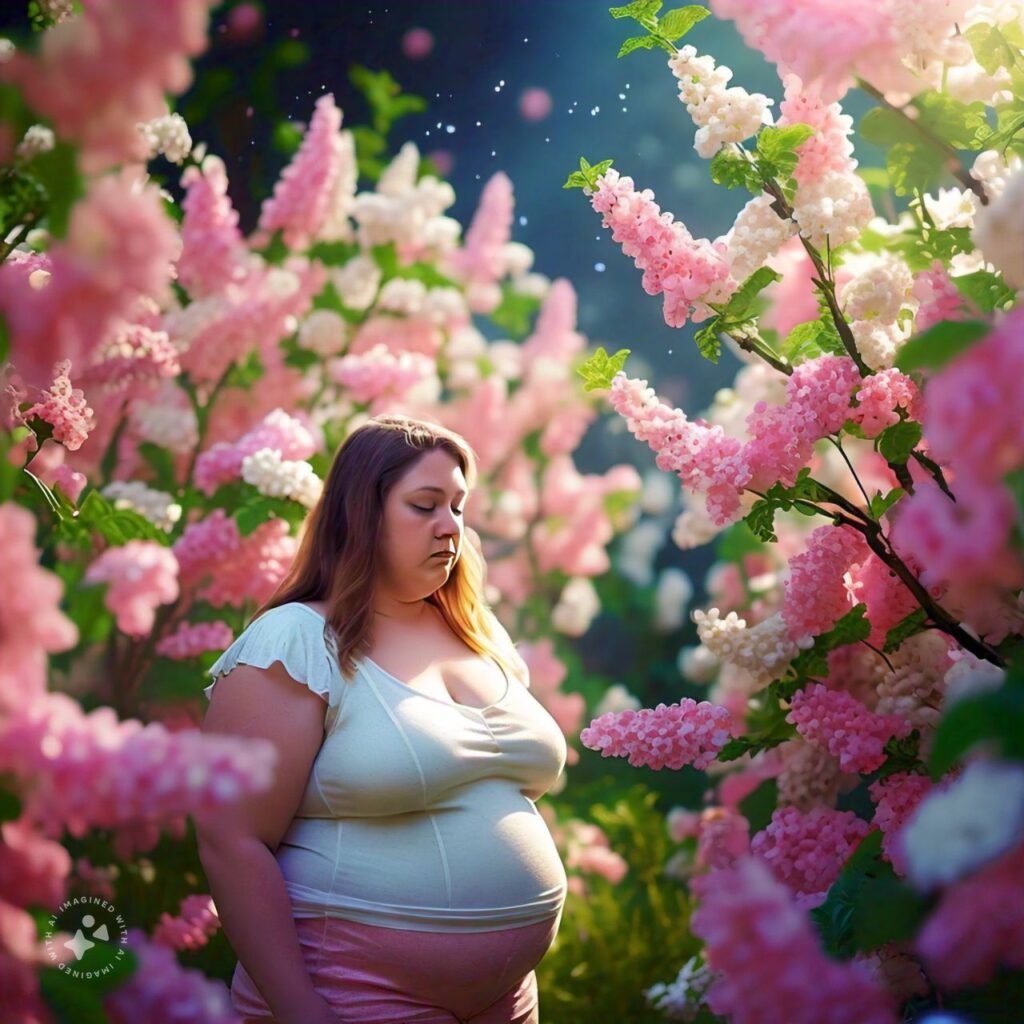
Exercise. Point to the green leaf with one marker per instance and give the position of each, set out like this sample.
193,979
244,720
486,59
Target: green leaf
914,167
757,807
639,10
907,627
997,716
812,339
1007,132
287,137
880,504
776,149
883,127
261,508
515,312
678,22
735,543
245,374
57,172
986,290
597,372
708,343
740,305
850,629
761,520
934,348
962,125
895,443
10,805
990,47
637,43
117,526
731,168
576,180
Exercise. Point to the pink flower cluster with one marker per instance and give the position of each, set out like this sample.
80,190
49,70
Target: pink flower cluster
132,356
213,253
806,851
100,73
378,373
191,639
120,245
840,724
161,991
724,837
306,194
80,771
939,298
896,797
221,463
481,260
141,575
33,869
978,925
781,440
193,926
829,148
588,850
866,40
31,621
691,272
663,737
815,595
878,398
65,409
771,967
887,598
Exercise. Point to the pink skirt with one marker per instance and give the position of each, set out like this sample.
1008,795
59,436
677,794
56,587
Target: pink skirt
372,975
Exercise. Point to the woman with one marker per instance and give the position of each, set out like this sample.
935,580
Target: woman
398,870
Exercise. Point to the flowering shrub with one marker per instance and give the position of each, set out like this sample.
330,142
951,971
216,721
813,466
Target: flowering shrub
172,394
872,678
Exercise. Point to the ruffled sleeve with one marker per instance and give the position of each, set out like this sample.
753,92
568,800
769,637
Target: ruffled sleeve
296,639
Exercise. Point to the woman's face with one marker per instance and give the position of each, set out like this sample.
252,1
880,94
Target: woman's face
423,514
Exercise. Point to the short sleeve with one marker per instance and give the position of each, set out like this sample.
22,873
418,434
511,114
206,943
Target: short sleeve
292,637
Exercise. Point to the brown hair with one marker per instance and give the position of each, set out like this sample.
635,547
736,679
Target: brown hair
336,559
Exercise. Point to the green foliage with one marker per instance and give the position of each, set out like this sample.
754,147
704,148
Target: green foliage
804,492
986,290
636,43
895,443
741,304
812,339
776,149
736,542
10,805
586,176
913,167
76,1002
515,312
934,348
907,627
116,526
996,717
881,503
731,167
991,48
597,372
766,724
664,32
708,343
619,939
867,906
852,628
676,23
757,807
385,98
962,125
258,509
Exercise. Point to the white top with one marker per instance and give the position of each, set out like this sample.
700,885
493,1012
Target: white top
418,813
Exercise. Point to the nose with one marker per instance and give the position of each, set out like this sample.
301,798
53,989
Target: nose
448,526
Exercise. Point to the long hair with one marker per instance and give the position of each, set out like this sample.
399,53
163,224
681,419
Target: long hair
337,558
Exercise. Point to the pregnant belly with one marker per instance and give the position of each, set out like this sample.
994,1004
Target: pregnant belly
463,855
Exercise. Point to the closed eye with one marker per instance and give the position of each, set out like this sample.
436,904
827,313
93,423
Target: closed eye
420,508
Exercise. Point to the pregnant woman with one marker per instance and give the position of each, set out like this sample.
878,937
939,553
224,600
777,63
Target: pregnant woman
398,871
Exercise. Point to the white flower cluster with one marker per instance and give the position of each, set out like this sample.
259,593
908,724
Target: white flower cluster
37,139
994,171
763,650
56,10
757,234
958,828
879,291
833,209
754,382
282,478
336,226
324,332
615,699
577,606
658,494
637,549
413,298
879,342
672,597
158,507
167,135
915,689
809,776
406,211
682,999
723,114
952,208
696,664
693,527
6,50
999,228
357,281
969,675
166,423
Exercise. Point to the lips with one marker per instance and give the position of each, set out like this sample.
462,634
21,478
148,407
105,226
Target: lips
443,554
